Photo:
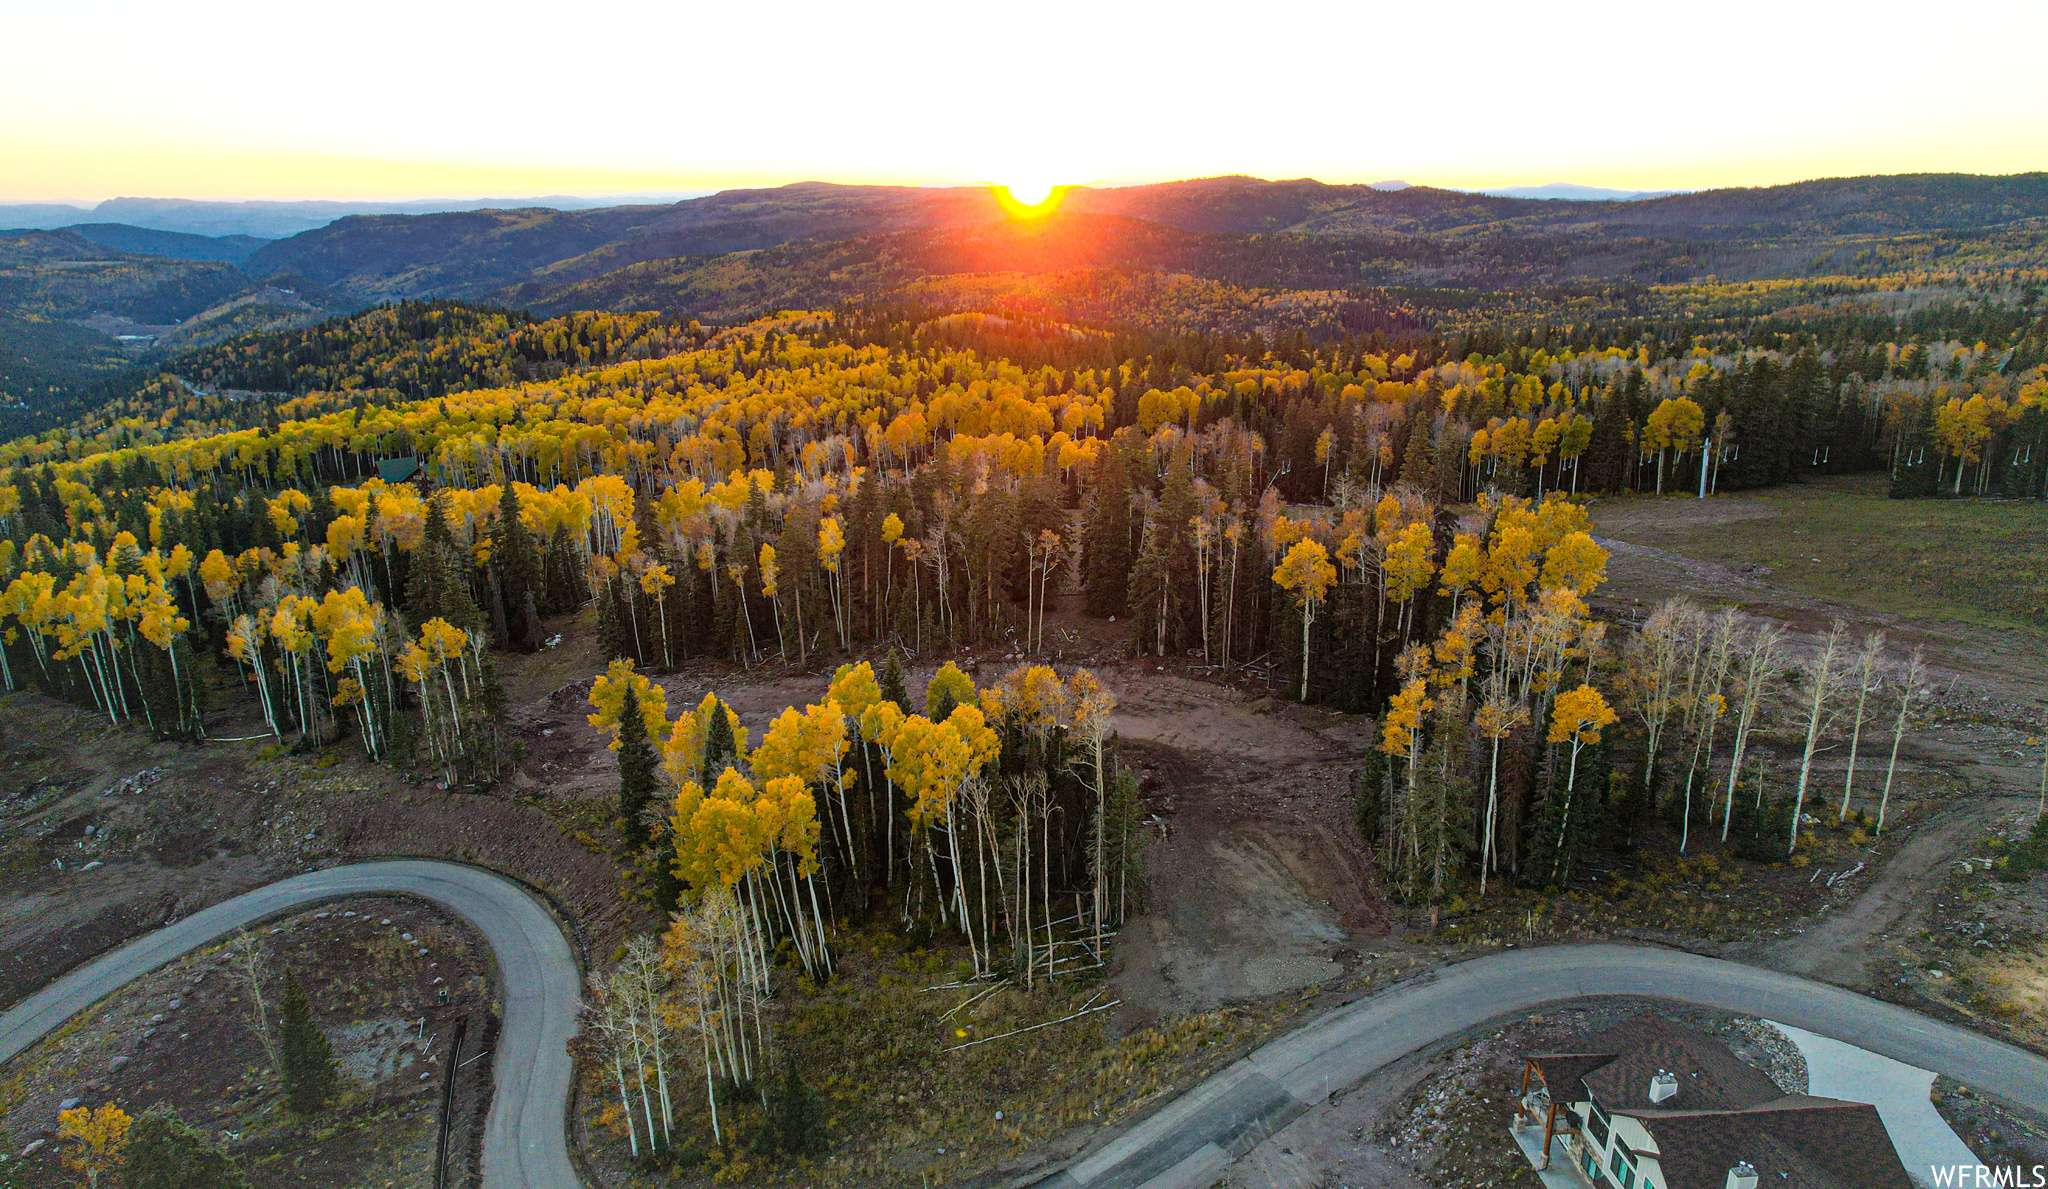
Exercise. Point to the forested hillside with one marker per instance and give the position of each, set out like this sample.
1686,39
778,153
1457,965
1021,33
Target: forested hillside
1226,254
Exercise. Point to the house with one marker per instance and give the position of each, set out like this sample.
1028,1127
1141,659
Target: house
398,469
1651,1104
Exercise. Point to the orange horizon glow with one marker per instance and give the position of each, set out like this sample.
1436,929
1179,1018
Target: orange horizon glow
243,99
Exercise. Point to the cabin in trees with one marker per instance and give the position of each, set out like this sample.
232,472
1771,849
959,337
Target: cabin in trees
1651,1104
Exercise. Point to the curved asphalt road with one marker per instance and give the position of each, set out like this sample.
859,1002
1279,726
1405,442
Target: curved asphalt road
525,1141
1186,1143
1193,1138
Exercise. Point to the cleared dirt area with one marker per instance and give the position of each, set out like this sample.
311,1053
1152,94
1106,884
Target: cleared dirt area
1257,882
187,1036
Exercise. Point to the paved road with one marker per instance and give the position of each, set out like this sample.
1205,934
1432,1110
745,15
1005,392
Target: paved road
1190,1141
525,1143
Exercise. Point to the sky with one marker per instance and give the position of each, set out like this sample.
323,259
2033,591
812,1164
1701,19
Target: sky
390,99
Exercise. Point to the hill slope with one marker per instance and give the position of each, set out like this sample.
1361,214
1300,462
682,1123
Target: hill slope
1347,234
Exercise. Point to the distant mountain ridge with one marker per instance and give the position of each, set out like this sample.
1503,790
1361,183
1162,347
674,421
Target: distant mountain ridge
1577,193
178,245
265,219
738,253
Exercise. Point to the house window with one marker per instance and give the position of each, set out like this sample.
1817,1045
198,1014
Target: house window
1599,1127
1623,1170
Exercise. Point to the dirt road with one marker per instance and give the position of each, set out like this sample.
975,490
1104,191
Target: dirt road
525,1138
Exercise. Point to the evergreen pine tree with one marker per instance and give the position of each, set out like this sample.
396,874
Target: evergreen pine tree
796,1119
517,563
891,679
637,763
1418,460
612,633
310,1078
720,751
1106,540
439,585
664,886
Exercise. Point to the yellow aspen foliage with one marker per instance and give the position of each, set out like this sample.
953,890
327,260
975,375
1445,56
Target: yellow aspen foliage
1402,729
656,578
1409,567
682,754
880,723
949,683
608,700
831,542
218,576
97,1137
1579,716
1576,563
1463,564
854,689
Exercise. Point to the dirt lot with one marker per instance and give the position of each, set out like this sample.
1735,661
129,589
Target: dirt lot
1977,950
186,1036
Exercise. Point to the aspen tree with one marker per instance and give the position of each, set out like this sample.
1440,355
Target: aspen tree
1709,703
1496,720
1912,685
97,1137
1821,674
1306,573
1655,668
655,580
1092,706
1868,660
1577,718
604,1020
2042,809
1762,663
648,984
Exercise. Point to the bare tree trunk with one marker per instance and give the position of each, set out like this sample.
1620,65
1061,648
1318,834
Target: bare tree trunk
1823,676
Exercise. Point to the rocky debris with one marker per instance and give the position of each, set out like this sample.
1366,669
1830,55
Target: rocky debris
1763,1047
134,782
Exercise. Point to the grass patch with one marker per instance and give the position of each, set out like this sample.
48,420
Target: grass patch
1844,540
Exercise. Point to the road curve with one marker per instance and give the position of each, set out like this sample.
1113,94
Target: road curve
1193,1138
525,1141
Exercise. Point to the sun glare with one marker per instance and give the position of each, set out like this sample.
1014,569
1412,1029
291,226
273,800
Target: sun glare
1029,199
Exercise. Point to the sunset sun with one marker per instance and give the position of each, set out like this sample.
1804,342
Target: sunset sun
1029,198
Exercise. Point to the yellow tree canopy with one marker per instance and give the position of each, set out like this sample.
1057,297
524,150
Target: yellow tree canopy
608,701
1306,572
1579,716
